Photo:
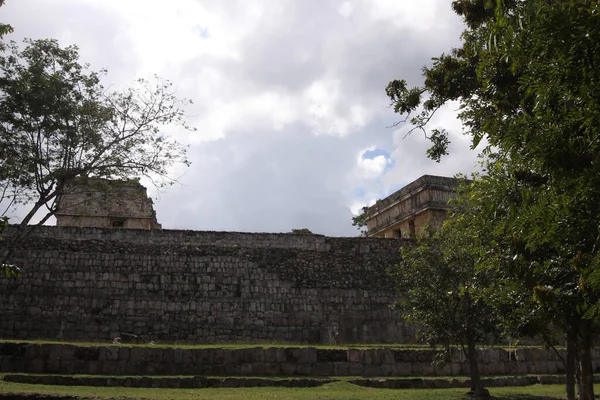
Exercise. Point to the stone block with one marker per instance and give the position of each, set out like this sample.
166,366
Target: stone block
246,369
289,369
186,356
124,353
387,370
304,369
308,355
258,354
56,351
52,366
137,354
177,355
32,351
356,369
323,369
497,368
552,379
355,356
95,367
232,369
272,368
443,369
270,355
373,370
231,382
387,357
403,369
109,368
37,365
341,368
167,355
371,357
440,383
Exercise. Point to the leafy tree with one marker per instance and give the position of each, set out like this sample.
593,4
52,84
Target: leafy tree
526,77
531,241
360,221
443,292
4,28
302,231
58,124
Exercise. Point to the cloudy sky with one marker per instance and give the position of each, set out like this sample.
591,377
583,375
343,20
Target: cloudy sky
289,103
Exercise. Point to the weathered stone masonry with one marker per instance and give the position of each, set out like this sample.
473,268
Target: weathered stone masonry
121,360
201,287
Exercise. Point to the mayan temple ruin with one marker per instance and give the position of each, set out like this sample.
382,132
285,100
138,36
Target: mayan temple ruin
102,203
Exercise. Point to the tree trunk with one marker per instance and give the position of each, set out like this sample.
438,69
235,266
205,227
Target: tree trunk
586,389
477,389
570,363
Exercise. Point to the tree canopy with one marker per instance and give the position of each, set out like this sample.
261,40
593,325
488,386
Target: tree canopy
4,28
442,290
527,81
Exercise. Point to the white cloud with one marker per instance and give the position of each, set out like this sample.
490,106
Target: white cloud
288,95
346,9
371,168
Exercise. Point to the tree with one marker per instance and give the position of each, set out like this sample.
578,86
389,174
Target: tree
526,77
359,221
58,124
534,284
302,231
4,28
8,269
444,293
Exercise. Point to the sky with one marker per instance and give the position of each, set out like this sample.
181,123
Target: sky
293,124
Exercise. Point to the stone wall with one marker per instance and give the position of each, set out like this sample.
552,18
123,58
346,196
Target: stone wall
103,203
201,287
405,212
122,360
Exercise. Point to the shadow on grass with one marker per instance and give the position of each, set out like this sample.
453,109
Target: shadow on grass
23,396
517,396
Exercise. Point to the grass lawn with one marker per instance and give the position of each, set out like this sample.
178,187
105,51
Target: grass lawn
336,390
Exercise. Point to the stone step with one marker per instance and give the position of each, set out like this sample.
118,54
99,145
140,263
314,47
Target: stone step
164,382
107,360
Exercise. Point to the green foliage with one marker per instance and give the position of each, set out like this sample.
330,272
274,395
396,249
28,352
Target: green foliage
445,293
302,231
59,124
360,220
526,77
10,270
442,290
5,29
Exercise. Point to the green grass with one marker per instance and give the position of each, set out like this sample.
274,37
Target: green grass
335,390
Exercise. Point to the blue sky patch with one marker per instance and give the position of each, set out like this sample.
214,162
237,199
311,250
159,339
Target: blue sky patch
371,154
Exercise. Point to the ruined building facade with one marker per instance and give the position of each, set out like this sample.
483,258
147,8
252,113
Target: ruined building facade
404,213
102,203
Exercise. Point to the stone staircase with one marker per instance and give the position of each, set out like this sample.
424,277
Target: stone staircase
202,367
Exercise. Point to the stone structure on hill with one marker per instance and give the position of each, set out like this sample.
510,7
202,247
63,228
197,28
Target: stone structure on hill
405,212
201,287
101,203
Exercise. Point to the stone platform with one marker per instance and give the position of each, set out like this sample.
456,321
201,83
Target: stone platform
138,360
